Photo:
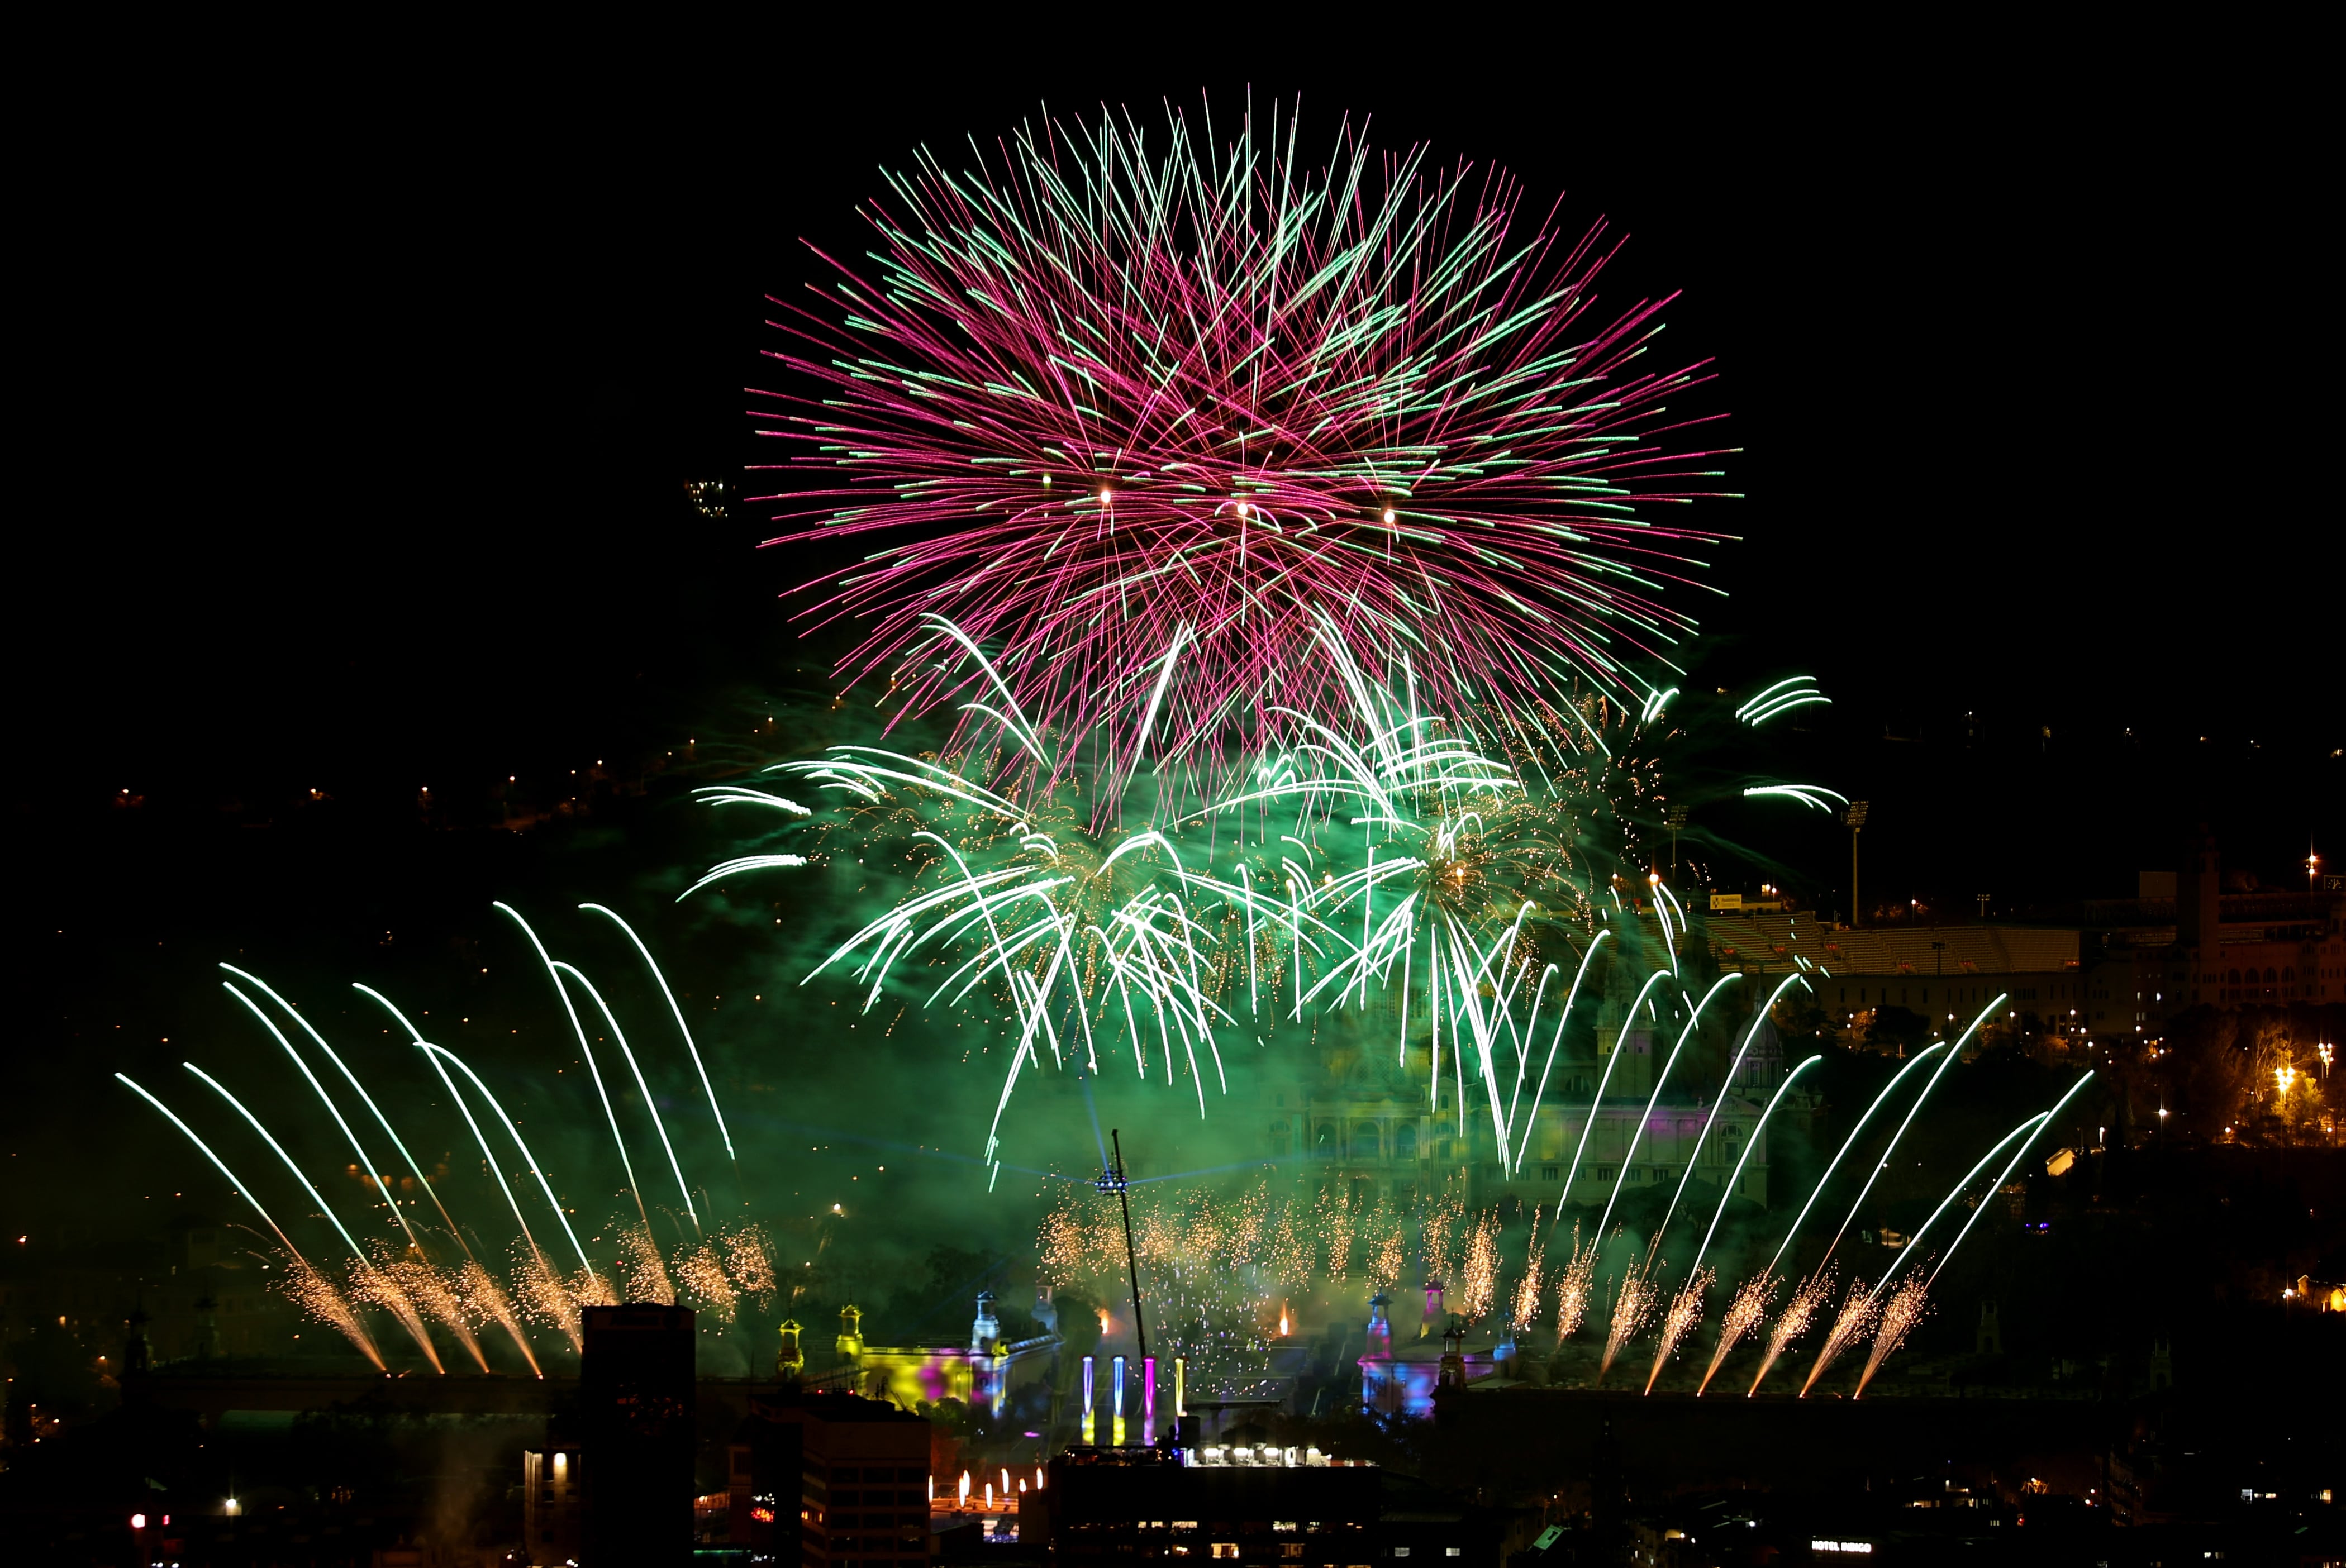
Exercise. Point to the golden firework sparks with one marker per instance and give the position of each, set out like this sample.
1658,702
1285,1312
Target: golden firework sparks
1899,1315
314,1294
1799,1313
1572,1289
1685,1312
1858,1311
1743,1315
1632,1304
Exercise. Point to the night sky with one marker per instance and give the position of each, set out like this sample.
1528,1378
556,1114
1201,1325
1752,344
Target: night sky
360,458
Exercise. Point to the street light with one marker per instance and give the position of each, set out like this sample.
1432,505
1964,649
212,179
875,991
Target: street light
1855,818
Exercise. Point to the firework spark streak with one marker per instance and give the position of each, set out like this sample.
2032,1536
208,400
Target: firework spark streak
1848,1143
645,1271
1685,1312
1899,1315
1633,1303
489,1303
1115,391
439,1297
1571,1288
1859,1311
1479,1282
315,1294
1799,1313
400,1279
1954,1054
1743,1315
1378,857
1529,1289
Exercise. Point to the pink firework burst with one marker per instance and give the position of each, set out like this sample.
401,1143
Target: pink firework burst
1117,393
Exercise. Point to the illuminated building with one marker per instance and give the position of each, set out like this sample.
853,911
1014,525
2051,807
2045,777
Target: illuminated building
828,1478
1930,970
1402,1381
2249,946
1254,1505
980,1374
1374,1139
636,1398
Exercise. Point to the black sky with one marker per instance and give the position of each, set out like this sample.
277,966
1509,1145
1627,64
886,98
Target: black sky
362,400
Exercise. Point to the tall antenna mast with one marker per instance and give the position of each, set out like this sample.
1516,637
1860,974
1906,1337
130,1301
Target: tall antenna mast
1112,1180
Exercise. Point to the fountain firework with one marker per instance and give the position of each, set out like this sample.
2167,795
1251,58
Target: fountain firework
1633,1303
1526,1300
1799,1313
317,1296
1744,1314
1685,1311
1899,1313
1572,1288
399,1278
1859,1311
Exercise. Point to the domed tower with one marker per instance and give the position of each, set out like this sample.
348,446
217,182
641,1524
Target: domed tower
985,1332
850,1333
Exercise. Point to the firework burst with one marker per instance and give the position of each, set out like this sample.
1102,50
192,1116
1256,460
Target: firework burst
1120,389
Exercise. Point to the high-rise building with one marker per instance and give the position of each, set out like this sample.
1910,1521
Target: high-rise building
551,1479
826,1477
635,1402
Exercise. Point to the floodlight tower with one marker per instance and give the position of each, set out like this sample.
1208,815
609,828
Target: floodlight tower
1855,818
